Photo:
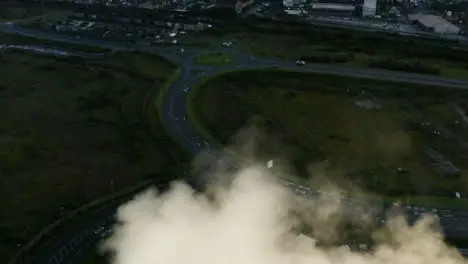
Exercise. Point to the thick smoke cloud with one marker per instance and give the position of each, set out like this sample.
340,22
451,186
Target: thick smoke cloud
256,220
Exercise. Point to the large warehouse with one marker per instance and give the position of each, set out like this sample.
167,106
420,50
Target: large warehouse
434,23
332,9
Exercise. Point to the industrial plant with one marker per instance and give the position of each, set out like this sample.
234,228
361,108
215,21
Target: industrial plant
408,17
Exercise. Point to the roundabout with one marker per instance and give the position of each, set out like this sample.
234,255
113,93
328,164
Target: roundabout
74,246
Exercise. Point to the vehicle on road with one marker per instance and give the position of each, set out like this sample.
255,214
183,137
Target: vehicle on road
227,44
300,63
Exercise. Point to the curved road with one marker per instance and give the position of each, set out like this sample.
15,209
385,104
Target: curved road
78,243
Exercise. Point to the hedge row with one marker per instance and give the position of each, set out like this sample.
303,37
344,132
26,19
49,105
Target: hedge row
328,58
416,66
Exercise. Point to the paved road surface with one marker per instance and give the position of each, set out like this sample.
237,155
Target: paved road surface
79,243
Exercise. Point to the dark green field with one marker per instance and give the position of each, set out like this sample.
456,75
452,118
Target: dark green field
343,46
213,58
15,10
378,136
72,131
14,39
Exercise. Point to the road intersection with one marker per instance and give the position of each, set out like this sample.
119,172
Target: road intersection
78,243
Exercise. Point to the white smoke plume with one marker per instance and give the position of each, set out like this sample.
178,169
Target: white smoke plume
254,220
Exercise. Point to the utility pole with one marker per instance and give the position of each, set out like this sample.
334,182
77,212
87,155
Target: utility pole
61,216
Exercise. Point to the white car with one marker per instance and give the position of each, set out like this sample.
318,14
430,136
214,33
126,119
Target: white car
300,62
227,44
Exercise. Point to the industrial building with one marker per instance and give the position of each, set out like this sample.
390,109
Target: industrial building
294,12
369,8
288,3
291,3
333,9
434,23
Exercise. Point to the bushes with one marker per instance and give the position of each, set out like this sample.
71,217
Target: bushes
416,66
362,42
328,58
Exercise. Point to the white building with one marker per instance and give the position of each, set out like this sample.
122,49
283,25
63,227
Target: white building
294,12
291,3
333,7
434,23
288,3
369,7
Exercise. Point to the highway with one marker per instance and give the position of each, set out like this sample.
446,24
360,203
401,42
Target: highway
75,245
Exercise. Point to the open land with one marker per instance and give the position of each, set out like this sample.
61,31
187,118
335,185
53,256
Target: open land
14,11
345,47
72,131
213,58
394,139
13,39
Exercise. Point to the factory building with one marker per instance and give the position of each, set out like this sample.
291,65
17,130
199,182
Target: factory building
291,3
333,9
288,3
294,12
434,23
369,8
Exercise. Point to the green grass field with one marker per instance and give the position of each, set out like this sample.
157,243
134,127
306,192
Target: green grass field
17,11
316,119
354,52
345,47
68,128
214,59
14,39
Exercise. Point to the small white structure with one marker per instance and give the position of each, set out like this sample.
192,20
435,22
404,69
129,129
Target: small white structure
270,164
458,195
288,3
293,12
369,8
363,246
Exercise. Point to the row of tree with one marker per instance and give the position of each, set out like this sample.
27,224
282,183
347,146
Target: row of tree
416,66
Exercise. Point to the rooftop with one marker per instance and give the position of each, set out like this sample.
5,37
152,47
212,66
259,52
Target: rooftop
433,21
343,7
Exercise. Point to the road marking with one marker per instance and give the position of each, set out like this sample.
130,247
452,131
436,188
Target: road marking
54,260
